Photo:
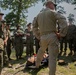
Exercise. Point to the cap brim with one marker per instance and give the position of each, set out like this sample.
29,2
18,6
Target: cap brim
1,14
55,4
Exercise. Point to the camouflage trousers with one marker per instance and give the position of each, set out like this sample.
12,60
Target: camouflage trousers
5,57
1,60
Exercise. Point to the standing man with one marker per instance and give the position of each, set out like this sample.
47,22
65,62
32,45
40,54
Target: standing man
18,42
45,24
8,48
1,43
5,38
29,41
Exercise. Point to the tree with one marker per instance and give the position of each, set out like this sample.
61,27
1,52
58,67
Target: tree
74,2
17,9
71,18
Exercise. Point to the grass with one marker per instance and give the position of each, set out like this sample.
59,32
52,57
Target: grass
69,69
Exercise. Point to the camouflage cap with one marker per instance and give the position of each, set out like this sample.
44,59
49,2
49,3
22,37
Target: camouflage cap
49,1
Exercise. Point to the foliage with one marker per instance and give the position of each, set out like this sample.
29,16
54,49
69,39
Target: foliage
71,17
75,1
17,9
74,4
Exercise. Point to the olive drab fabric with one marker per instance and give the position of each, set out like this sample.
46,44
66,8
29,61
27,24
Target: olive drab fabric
1,47
1,52
18,42
1,44
8,48
45,24
1,32
29,43
49,26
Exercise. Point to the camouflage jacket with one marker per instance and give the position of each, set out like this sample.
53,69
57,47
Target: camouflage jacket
1,32
1,44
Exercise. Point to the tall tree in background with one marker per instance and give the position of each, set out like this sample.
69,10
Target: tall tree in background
74,4
17,9
71,18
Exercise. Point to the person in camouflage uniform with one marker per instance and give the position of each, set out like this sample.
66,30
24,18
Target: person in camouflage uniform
18,33
5,38
1,43
29,41
1,53
8,48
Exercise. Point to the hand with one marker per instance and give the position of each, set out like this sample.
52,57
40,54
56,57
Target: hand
28,34
5,42
58,35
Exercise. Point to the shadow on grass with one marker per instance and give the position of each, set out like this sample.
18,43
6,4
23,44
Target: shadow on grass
20,61
30,71
67,59
33,71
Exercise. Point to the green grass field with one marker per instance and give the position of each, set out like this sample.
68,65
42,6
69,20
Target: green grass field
18,67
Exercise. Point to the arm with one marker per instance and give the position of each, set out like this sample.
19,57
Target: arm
62,23
35,28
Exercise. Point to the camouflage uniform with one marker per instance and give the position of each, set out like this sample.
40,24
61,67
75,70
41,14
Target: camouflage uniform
29,43
45,23
1,53
18,42
8,48
5,58
1,47
5,35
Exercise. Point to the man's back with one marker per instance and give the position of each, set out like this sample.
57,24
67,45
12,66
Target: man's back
46,21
